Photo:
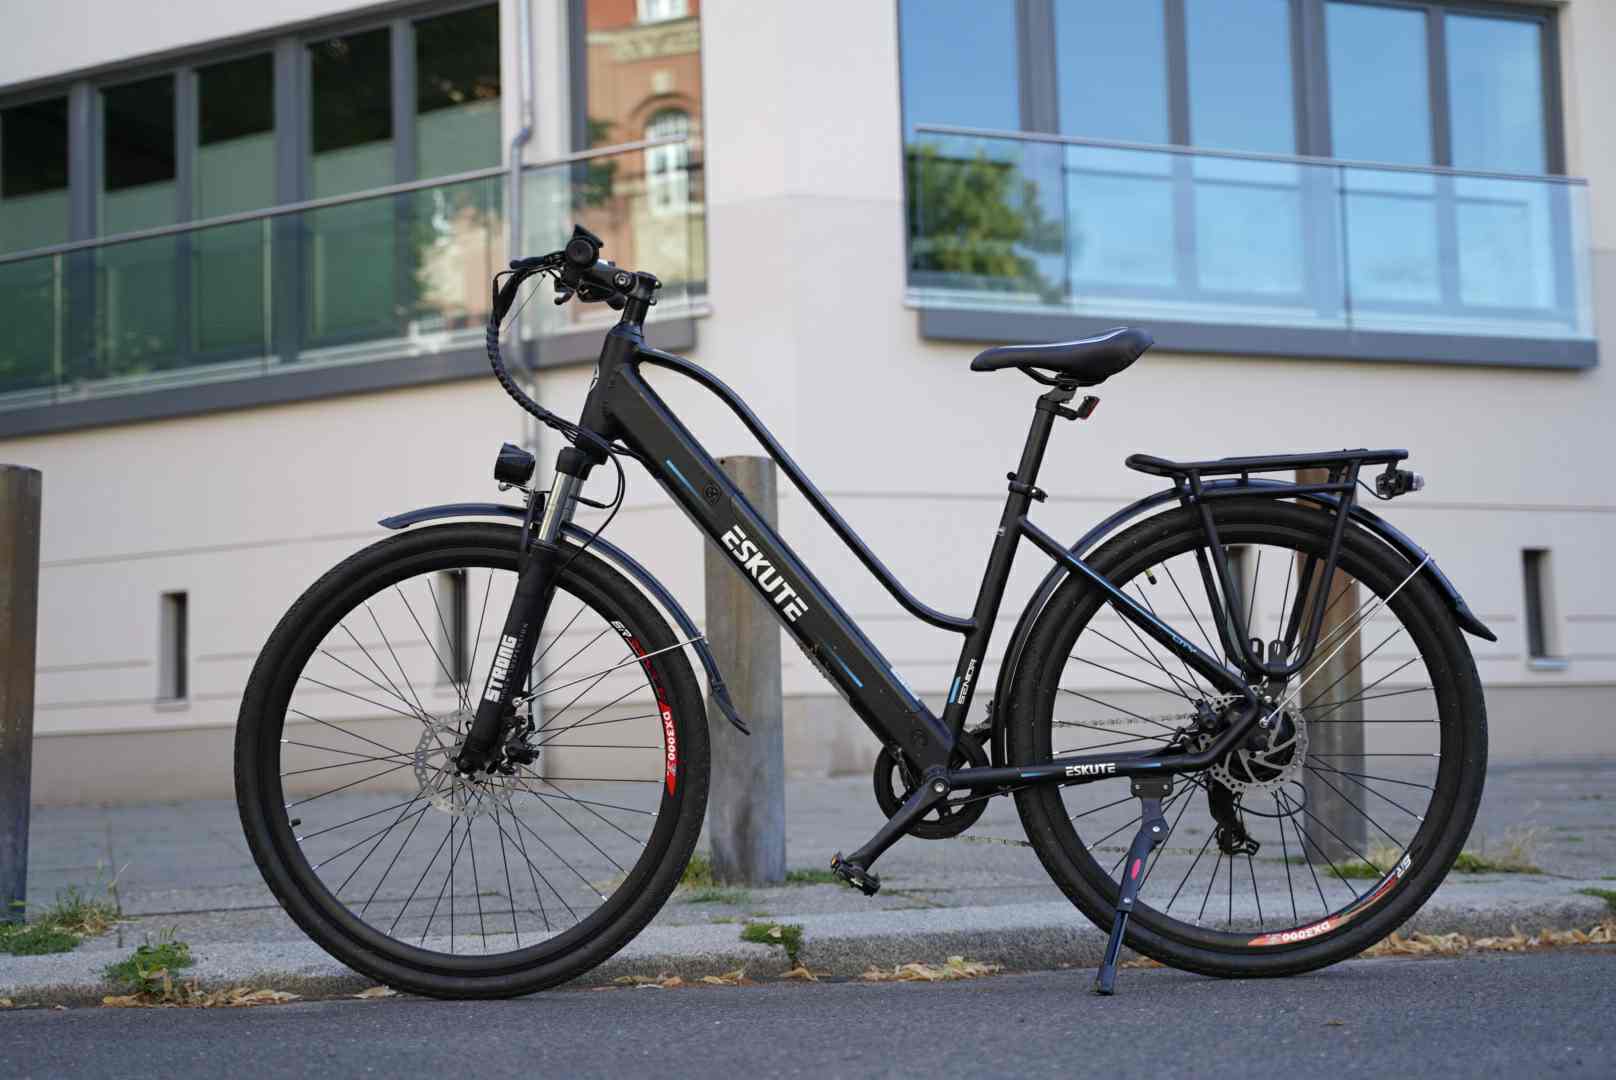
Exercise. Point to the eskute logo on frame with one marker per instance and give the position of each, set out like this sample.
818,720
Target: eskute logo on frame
770,580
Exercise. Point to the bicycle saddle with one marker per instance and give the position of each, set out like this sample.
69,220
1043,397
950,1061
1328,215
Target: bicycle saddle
1087,361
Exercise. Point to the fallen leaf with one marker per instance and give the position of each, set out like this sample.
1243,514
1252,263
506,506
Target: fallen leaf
1514,941
641,980
957,967
5,1003
800,972
729,978
242,997
777,931
1335,1023
1141,962
672,982
376,992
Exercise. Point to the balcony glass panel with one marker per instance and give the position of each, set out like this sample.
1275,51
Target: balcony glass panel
450,243
1182,235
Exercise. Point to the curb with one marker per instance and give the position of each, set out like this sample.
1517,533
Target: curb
1019,937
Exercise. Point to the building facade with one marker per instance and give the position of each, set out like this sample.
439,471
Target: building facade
1346,222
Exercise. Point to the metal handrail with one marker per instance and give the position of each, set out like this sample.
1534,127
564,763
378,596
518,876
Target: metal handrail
1241,155
405,188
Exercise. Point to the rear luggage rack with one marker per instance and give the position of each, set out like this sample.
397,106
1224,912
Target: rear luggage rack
1244,466
1285,657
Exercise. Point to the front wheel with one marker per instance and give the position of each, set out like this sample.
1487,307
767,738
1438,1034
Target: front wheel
1286,856
432,883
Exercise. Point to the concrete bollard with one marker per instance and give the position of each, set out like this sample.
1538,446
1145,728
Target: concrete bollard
20,489
747,809
1335,693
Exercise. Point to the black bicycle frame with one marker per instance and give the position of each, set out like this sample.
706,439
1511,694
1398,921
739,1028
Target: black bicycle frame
622,406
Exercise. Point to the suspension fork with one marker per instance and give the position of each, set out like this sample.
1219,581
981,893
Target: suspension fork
519,637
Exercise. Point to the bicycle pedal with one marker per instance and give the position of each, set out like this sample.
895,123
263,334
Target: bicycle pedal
865,881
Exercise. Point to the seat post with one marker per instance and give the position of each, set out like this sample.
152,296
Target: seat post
1050,405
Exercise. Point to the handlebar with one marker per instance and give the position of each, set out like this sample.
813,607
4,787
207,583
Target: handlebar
580,271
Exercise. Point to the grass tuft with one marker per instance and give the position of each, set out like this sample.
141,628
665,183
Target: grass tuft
35,939
74,917
719,896
786,935
1607,895
815,876
698,873
151,969
1470,862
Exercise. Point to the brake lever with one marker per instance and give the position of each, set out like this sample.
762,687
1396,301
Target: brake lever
563,294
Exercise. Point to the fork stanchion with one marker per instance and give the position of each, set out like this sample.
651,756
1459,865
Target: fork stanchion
1334,718
20,489
747,809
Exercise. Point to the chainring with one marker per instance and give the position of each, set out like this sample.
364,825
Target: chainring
895,781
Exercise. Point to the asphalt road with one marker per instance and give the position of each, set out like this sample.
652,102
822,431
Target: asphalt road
1524,1015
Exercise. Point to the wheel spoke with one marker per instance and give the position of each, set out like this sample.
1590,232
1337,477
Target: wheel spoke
1118,708
396,661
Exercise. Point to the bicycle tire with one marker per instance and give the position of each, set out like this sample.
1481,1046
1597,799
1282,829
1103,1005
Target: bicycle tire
1237,950
556,957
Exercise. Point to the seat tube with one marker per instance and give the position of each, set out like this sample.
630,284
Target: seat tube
991,594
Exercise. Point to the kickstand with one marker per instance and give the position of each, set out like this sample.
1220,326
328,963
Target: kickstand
1150,792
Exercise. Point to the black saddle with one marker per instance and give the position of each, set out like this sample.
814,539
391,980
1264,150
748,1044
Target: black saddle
1085,362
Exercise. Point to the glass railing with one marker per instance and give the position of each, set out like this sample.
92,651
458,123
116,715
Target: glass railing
1115,230
367,278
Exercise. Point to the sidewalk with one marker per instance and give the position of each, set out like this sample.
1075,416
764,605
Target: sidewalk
186,866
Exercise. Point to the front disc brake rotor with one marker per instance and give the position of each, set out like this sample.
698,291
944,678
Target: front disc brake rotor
896,779
441,783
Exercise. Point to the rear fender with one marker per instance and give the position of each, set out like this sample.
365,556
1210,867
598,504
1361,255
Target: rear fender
612,554
1370,521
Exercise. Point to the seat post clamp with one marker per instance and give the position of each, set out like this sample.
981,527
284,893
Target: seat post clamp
1032,491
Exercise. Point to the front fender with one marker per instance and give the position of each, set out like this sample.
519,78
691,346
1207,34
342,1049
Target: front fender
1370,521
612,554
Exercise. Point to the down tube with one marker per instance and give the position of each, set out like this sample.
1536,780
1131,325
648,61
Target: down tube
826,633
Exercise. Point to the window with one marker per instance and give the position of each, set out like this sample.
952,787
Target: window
1110,65
33,174
1542,622
667,179
233,170
138,281
351,88
33,213
651,11
1240,84
941,38
457,121
173,658
1496,94
642,83
1111,219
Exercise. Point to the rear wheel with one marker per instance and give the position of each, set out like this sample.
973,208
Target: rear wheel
1283,857
500,885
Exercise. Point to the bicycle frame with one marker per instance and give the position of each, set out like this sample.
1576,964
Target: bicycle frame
623,406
